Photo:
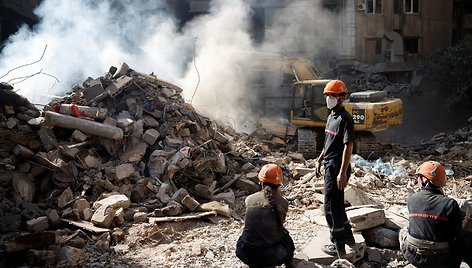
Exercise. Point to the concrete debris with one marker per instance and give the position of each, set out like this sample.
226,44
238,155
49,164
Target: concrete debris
124,149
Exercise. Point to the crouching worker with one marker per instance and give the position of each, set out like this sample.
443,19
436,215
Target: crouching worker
264,241
434,235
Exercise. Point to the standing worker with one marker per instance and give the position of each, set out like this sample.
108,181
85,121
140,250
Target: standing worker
264,241
336,157
434,235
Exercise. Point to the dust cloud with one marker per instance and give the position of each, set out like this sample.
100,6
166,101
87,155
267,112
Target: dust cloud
84,38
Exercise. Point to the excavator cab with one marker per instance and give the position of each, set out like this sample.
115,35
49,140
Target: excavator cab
308,107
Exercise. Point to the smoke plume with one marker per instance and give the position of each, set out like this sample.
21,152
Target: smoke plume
84,38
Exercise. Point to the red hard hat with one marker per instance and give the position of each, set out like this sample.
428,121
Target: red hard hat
335,87
271,173
433,171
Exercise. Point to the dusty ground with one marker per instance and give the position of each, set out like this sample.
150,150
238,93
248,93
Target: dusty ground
212,242
193,243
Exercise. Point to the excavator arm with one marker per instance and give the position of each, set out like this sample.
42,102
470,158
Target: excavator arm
301,68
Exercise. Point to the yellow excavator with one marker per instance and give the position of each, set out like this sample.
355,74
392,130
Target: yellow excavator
372,111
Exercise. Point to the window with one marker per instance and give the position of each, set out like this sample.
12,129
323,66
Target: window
411,45
411,6
396,7
378,46
373,6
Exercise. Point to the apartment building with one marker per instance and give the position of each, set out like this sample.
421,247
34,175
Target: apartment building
13,14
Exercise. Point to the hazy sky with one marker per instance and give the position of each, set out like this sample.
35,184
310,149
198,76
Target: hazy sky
85,38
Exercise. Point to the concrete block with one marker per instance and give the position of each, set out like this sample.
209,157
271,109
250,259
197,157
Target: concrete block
313,253
124,171
190,203
79,136
179,195
150,136
38,224
365,218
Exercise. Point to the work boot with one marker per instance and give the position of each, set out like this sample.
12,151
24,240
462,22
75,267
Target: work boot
351,242
334,249
289,264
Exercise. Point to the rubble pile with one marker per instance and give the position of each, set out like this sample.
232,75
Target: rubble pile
123,152
121,148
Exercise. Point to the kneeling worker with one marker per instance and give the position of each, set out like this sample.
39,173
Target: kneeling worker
434,235
264,241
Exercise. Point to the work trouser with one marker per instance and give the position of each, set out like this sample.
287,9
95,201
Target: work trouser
335,212
267,256
422,253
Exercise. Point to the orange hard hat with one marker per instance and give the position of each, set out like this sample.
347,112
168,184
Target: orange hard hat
271,173
433,171
335,87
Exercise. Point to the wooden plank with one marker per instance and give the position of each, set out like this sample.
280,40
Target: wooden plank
87,226
190,216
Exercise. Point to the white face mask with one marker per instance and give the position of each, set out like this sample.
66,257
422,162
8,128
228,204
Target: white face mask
331,102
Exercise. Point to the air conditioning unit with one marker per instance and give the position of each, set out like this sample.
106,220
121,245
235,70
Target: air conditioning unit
360,7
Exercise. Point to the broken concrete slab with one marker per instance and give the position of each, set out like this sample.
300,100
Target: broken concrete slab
313,253
365,217
30,241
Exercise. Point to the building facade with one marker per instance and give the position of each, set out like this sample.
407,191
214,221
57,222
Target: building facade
13,14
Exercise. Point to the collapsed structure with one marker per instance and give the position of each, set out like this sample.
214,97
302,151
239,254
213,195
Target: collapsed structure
126,148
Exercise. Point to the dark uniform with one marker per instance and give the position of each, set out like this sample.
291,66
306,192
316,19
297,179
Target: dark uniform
264,241
339,131
434,237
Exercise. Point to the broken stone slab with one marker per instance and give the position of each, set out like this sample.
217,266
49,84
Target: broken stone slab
81,204
227,197
54,218
150,136
135,152
394,221
173,142
92,112
103,216
381,237
30,241
365,217
139,217
154,80
179,195
356,197
190,203
23,188
247,185
70,255
86,126
48,138
65,198
172,209
313,252
79,136
92,161
124,171
115,201
221,208
38,225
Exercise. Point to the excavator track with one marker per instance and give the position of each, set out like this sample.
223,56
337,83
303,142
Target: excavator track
307,142
367,146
